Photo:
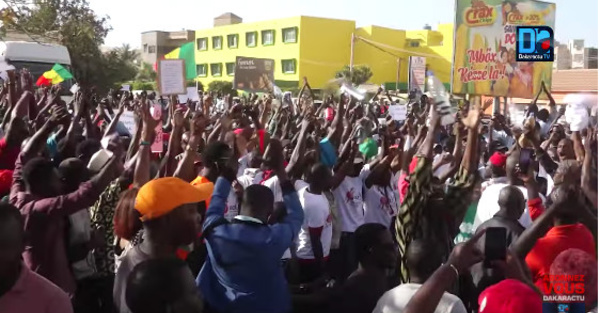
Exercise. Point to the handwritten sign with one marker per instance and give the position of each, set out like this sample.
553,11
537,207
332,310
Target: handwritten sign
157,145
128,120
171,77
398,112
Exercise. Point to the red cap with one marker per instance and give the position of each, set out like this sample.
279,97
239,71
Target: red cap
498,159
510,295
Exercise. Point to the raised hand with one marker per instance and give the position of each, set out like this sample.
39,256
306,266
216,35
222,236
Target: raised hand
473,118
464,255
177,120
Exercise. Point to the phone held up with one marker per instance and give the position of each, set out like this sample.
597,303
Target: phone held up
495,245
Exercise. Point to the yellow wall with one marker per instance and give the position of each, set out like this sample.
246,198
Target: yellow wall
383,65
278,51
323,47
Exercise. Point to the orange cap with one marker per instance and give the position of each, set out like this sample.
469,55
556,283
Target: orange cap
160,196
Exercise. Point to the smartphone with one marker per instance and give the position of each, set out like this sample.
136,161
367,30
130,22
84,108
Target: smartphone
525,160
495,245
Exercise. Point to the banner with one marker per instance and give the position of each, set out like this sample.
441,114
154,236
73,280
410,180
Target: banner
485,48
416,73
255,75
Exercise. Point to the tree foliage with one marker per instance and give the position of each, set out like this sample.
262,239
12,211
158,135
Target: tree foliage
359,75
222,87
146,72
75,25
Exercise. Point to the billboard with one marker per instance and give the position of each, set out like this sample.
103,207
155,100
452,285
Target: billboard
485,42
252,74
416,74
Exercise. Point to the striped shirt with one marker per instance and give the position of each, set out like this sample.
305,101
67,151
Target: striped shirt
411,222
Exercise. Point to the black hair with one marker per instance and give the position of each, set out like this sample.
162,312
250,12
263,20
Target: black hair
9,212
73,172
86,149
214,152
256,196
37,173
154,285
366,237
423,257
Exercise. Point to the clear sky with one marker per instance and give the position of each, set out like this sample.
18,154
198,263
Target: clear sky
576,19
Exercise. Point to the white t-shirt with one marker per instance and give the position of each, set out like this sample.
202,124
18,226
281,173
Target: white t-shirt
251,176
488,205
381,205
316,214
273,184
395,301
349,199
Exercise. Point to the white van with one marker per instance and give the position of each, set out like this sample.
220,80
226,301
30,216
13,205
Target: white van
37,57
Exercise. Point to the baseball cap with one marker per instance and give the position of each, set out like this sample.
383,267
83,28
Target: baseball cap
498,159
160,196
510,295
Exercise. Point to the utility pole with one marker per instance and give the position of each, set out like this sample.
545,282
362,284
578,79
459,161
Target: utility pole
352,53
398,75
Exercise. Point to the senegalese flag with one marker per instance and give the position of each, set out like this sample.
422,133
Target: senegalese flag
185,52
54,76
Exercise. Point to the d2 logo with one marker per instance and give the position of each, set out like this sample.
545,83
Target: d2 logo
535,44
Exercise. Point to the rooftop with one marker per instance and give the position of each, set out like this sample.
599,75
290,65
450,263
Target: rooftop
575,80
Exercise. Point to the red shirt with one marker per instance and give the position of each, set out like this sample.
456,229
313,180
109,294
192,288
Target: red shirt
8,156
557,240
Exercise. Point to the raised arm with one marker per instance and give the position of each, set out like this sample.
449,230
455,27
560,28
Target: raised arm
587,170
578,146
113,123
185,169
299,150
337,126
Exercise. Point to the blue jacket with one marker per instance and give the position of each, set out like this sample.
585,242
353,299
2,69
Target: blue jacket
242,272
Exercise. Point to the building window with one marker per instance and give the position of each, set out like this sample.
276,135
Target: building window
230,68
414,44
216,42
152,49
201,70
145,48
288,66
232,41
290,35
215,69
268,37
251,39
201,44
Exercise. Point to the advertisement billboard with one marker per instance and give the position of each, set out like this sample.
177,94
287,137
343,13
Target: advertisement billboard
254,75
487,41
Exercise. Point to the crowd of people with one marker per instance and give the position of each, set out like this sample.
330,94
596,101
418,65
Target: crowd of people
263,204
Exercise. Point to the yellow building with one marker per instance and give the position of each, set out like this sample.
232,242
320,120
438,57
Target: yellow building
317,48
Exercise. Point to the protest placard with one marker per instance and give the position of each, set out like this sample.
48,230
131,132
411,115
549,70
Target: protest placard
171,77
128,120
416,73
398,112
255,75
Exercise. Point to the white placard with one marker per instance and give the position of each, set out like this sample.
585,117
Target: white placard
192,94
171,77
125,87
128,119
416,72
398,112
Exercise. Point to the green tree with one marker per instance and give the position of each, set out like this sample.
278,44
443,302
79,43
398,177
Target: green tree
358,75
71,23
222,87
146,72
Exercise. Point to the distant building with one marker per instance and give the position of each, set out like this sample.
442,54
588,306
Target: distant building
590,58
574,55
316,48
155,44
